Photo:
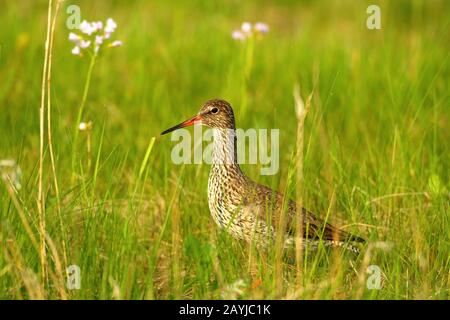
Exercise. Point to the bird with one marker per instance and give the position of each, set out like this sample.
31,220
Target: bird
251,211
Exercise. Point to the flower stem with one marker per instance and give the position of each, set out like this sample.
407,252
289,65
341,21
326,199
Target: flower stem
247,71
41,197
81,110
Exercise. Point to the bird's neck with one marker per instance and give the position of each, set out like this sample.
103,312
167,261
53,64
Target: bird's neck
224,152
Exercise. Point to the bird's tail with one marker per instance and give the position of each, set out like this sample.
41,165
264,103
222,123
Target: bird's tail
336,237
353,247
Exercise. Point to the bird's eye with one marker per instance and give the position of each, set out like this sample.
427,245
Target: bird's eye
214,110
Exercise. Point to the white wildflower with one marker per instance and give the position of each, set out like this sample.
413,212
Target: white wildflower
249,30
96,33
96,26
261,27
98,40
110,26
116,43
246,27
74,37
83,126
238,35
86,28
76,51
85,44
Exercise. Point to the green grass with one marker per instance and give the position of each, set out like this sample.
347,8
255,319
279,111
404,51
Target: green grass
376,147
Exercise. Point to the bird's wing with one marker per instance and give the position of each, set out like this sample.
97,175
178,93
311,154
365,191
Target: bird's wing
270,204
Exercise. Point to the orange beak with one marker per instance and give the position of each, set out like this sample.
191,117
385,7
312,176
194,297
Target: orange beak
189,122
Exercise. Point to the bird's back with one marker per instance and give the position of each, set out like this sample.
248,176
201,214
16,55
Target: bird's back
312,226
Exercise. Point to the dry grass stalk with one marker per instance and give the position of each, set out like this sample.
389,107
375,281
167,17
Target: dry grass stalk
46,93
28,278
41,199
49,130
301,111
22,215
59,277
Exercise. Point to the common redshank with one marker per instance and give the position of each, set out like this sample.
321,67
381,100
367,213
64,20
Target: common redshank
246,209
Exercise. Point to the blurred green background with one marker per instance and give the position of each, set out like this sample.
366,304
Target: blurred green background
376,145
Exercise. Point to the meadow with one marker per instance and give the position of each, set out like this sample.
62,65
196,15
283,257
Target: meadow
375,158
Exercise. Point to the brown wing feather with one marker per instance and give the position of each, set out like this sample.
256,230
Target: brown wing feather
313,226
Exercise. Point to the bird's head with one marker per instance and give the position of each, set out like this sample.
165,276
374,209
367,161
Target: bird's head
214,113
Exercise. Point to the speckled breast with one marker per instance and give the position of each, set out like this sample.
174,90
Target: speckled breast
225,205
